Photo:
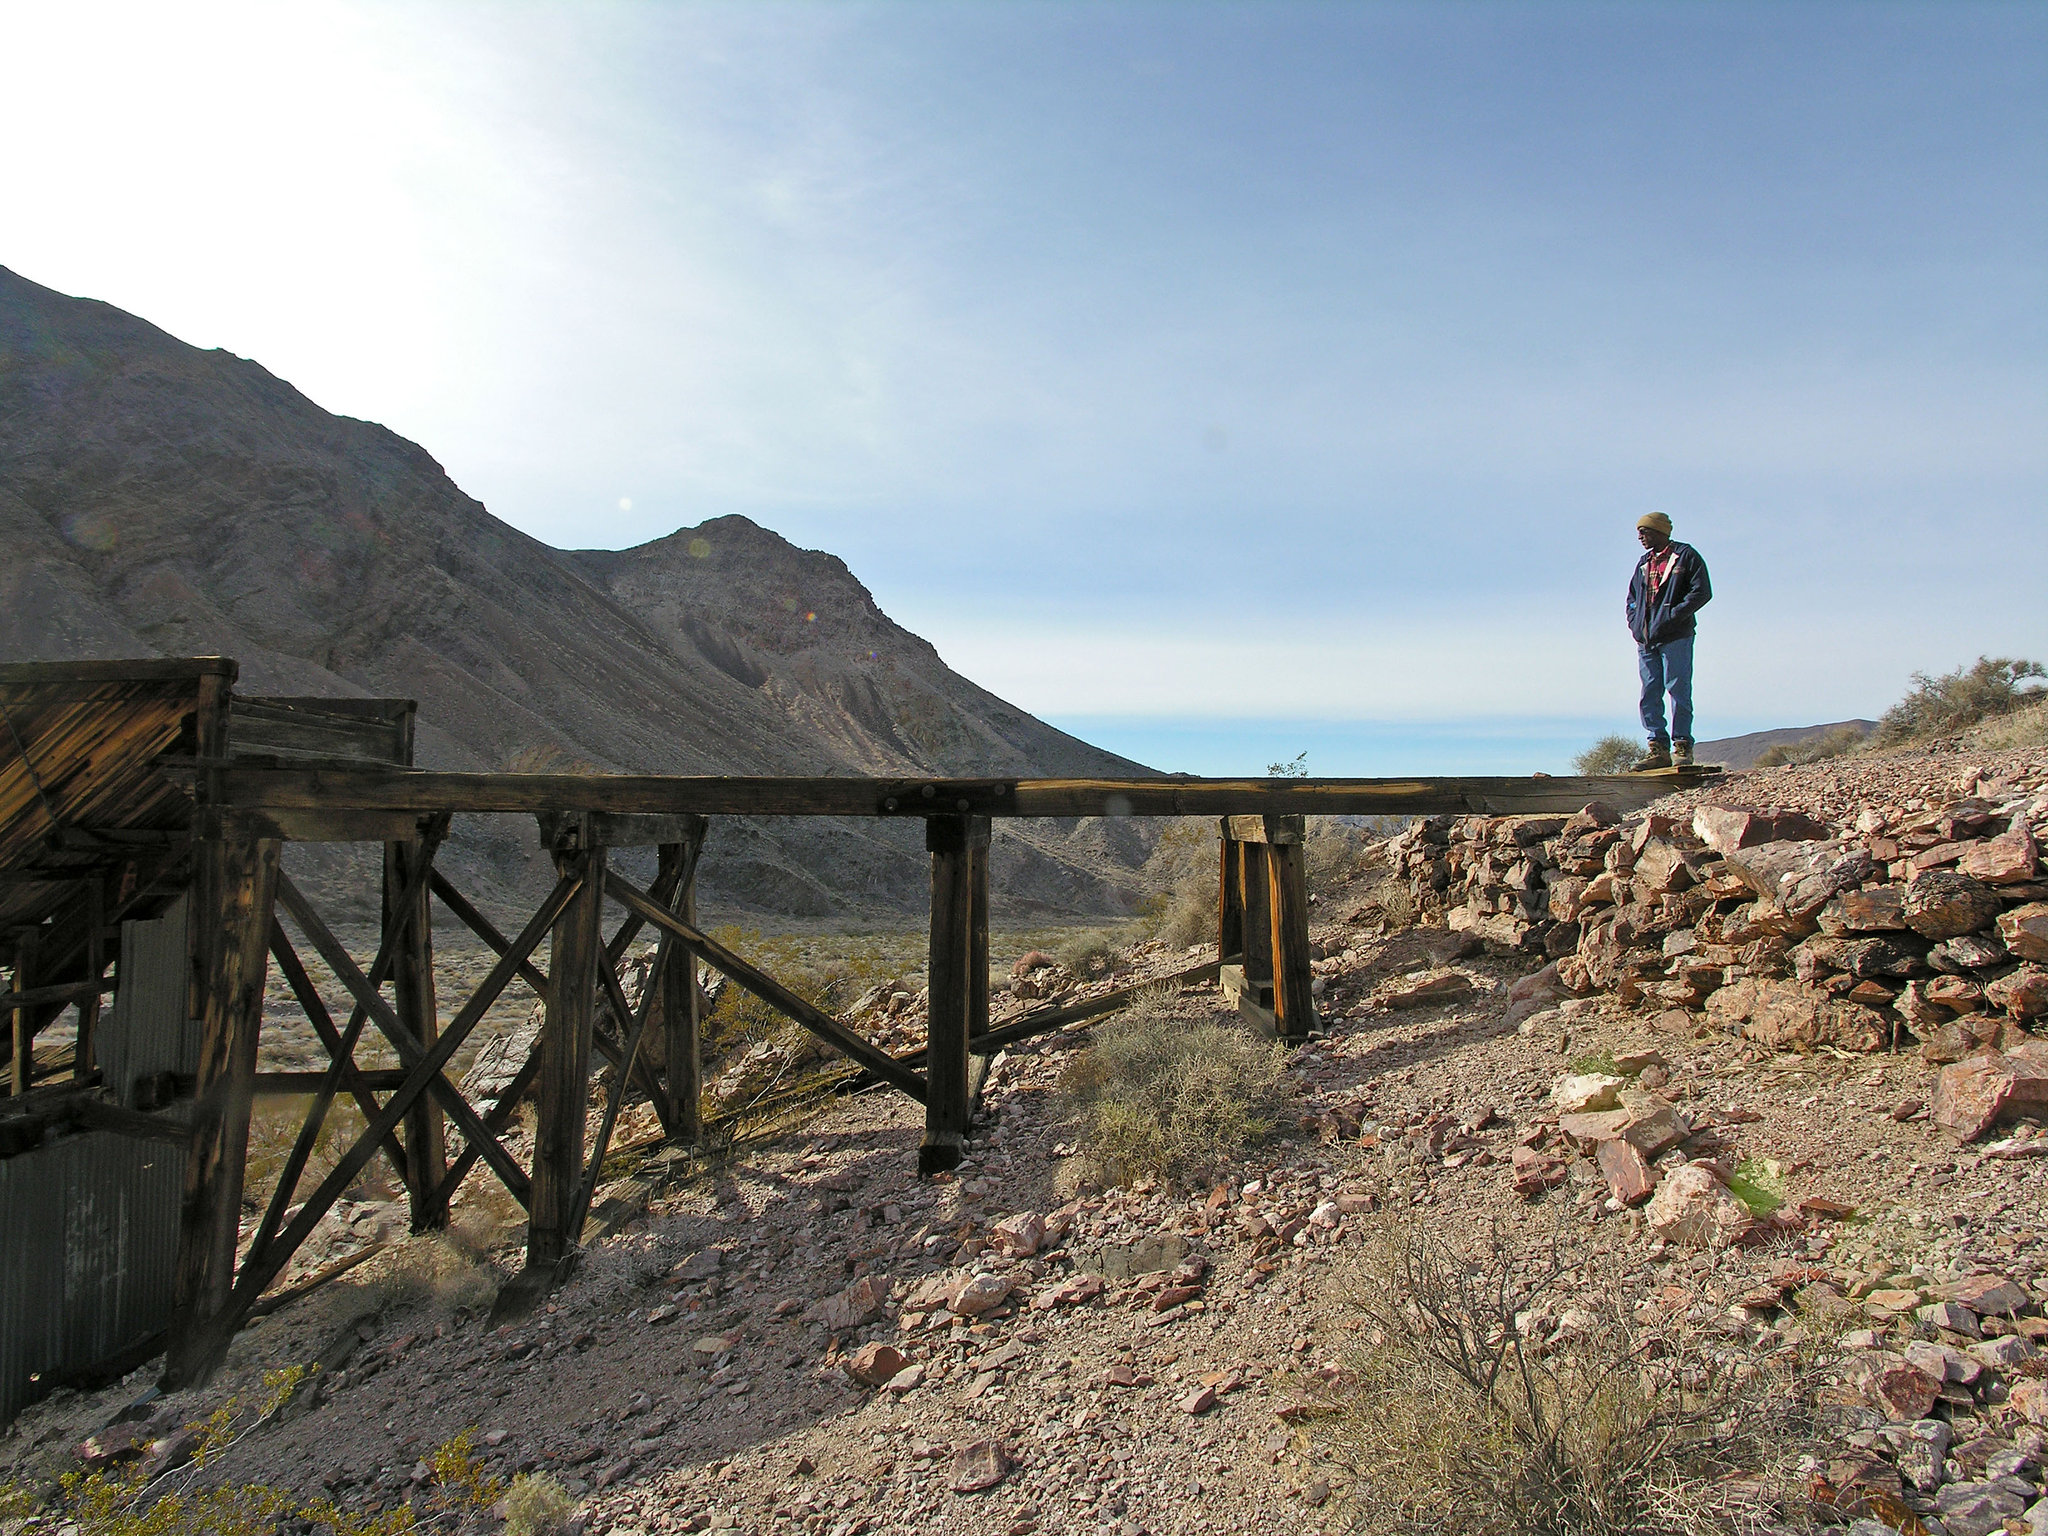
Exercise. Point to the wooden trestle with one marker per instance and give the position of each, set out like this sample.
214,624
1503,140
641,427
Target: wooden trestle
246,813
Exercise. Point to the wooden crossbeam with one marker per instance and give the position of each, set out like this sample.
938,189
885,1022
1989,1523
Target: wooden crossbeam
486,930
334,790
409,1048
580,1207
769,990
255,1277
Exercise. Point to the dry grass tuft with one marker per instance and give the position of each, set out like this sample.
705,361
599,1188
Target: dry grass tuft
1158,1096
1473,1410
536,1505
2021,729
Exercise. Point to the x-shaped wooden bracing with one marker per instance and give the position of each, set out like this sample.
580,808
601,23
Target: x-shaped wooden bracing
276,1241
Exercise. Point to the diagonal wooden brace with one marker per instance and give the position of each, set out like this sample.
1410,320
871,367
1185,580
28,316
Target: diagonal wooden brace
769,990
409,1049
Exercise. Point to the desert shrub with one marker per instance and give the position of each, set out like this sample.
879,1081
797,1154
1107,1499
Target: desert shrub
2027,727
1090,951
536,1505
1610,754
1469,1409
1336,852
1839,742
1158,1096
1984,690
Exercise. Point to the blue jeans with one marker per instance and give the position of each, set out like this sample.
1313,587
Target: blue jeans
1667,668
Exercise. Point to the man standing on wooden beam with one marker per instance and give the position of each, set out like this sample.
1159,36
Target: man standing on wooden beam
1669,586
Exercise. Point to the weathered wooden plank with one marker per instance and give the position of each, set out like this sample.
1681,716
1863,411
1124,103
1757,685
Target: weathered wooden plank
340,789
952,842
1264,829
377,1079
1294,1006
409,914
70,992
233,887
1229,898
574,961
22,1029
486,930
681,1004
769,990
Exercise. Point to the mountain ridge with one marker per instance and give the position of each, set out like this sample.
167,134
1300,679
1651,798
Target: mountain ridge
168,500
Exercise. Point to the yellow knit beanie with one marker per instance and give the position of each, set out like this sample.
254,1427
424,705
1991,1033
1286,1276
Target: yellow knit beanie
1656,520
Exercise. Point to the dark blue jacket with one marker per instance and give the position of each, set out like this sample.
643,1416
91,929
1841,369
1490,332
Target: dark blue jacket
1684,593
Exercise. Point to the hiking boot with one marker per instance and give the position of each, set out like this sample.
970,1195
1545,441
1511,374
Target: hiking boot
1659,756
1681,753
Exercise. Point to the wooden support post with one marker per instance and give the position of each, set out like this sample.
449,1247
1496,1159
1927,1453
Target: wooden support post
578,951
682,1019
1294,1008
22,1066
1229,900
234,883
952,842
412,987
85,1059
1255,883
977,939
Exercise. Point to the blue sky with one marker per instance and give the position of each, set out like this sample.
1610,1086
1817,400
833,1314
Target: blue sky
1217,381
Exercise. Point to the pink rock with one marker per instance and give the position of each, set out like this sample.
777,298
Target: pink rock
855,1307
1696,1210
1904,1393
873,1364
1989,1295
2008,859
2025,930
1535,1171
2030,1400
978,1294
1070,1292
1628,1173
1725,829
1972,1096
1201,1400
979,1466
1018,1237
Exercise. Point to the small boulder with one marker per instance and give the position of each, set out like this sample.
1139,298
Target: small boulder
977,1294
1941,904
1695,1209
872,1365
1586,1093
1630,1178
2025,930
1018,1237
1972,1096
858,1305
979,1466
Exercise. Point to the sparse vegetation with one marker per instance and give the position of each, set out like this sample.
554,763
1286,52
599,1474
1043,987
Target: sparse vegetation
2025,727
1477,1410
1937,706
1296,767
1839,742
536,1505
1610,754
1160,1096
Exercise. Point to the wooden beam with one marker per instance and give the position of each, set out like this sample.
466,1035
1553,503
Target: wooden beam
1294,1008
573,964
681,1003
232,890
486,930
296,1084
335,790
1229,899
409,915
22,1030
952,842
769,990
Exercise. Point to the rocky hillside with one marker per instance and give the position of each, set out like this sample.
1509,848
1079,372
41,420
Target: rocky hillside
157,499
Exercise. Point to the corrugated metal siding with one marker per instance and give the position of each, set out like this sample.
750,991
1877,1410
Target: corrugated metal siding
89,1224
148,1029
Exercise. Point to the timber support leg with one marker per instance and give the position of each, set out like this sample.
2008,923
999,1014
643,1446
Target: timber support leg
959,851
412,986
682,1003
1294,1007
564,1053
234,885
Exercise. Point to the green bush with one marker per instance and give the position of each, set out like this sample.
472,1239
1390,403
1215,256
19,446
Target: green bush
1986,689
1159,1096
536,1505
1610,754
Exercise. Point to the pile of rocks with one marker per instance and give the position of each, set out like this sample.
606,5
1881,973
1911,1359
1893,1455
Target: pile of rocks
1916,920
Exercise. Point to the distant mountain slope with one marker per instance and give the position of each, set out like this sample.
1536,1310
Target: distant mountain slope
1743,751
158,499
